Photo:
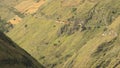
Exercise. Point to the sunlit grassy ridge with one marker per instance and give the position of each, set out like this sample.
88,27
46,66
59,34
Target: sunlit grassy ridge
94,44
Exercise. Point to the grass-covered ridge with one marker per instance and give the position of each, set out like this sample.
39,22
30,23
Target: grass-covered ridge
89,39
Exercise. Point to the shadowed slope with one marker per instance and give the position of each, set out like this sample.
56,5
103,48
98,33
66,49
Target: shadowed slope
12,56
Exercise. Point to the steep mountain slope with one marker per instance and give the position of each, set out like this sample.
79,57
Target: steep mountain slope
12,56
63,34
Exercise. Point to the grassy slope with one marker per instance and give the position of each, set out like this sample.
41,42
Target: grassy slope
7,12
12,56
86,49
5,6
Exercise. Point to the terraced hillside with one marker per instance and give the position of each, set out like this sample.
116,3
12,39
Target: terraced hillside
72,34
12,56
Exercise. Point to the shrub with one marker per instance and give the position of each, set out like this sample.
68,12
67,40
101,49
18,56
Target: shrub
74,9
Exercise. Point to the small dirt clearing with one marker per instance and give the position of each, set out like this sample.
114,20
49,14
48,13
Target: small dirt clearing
15,20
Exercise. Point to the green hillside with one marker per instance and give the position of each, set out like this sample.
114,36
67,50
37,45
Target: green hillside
72,34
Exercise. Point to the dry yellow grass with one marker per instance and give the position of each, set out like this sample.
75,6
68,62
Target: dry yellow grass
70,3
23,5
75,2
29,6
34,7
15,20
